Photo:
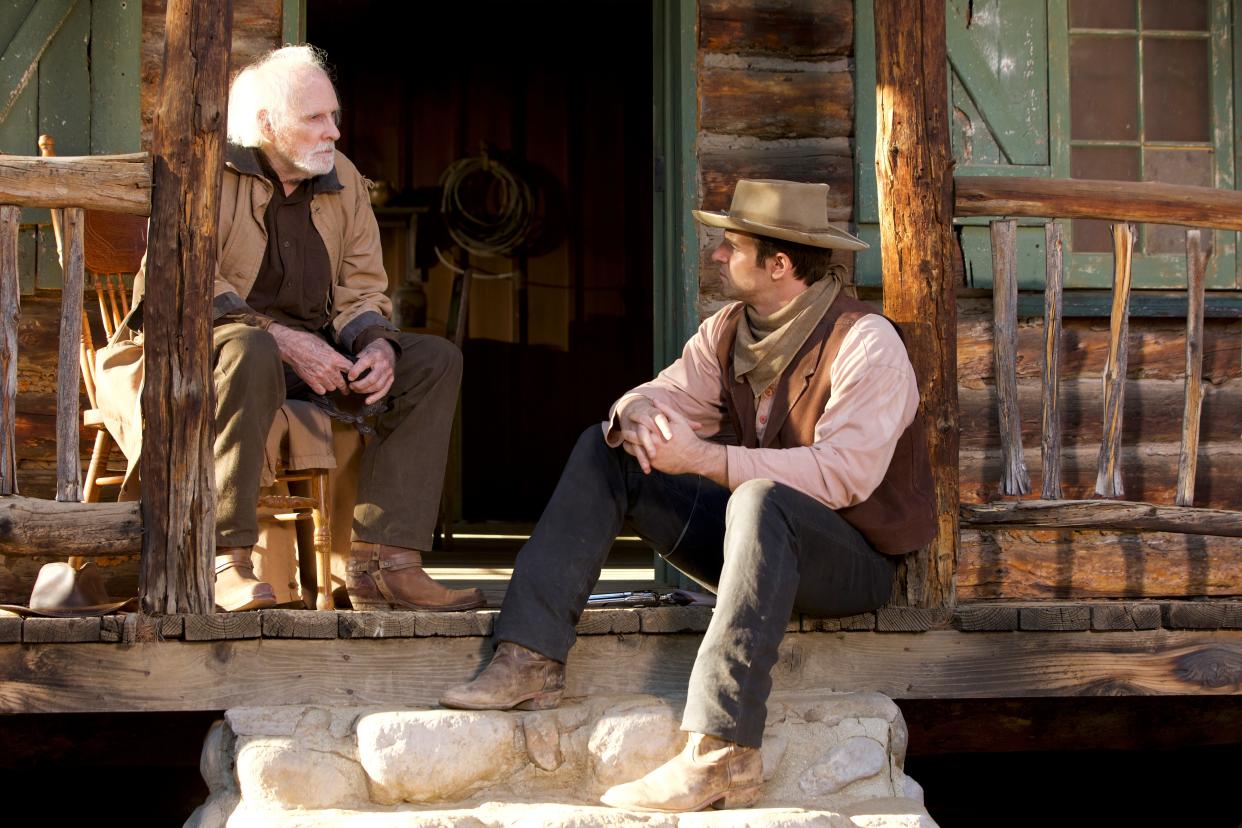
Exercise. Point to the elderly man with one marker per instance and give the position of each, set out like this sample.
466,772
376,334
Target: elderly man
780,460
300,308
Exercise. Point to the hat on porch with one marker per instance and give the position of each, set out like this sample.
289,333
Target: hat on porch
61,591
795,211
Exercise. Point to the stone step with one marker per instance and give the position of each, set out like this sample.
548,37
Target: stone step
832,760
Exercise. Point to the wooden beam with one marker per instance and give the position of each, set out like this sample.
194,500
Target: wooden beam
1188,461
10,300
32,526
1108,477
1015,480
69,366
1105,514
178,503
1133,201
1050,441
941,664
117,183
1034,564
914,165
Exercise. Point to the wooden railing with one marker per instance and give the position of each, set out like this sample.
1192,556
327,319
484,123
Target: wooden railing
1124,202
120,183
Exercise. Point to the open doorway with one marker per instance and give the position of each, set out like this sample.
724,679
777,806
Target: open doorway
565,106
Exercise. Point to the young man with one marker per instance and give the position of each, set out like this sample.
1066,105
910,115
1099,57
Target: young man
780,460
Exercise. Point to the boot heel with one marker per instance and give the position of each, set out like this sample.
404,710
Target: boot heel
541,701
369,606
741,798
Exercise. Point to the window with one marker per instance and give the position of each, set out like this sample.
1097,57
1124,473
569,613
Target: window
1133,90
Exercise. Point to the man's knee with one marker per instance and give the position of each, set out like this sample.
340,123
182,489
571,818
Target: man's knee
248,354
756,499
433,354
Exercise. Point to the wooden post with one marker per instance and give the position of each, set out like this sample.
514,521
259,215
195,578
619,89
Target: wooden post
1108,476
1188,459
1050,444
10,292
914,174
1015,480
178,398
69,370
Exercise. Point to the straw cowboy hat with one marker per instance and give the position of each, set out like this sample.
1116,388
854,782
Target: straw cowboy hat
61,591
795,211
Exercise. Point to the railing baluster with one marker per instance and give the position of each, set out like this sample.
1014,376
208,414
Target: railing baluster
1188,460
10,291
1108,477
1014,477
68,418
1050,488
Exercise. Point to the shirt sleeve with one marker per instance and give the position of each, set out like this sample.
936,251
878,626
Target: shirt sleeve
874,399
691,385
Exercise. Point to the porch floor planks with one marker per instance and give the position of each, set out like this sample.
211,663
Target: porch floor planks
403,672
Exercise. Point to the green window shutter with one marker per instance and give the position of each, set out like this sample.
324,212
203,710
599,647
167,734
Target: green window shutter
999,110
69,68
1009,77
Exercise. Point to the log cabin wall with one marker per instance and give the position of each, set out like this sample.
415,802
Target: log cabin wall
776,100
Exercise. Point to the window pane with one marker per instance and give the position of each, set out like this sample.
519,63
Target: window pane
1175,167
1181,15
1102,14
1176,89
1103,88
1111,163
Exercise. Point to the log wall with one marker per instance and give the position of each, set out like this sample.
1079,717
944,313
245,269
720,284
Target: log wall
776,100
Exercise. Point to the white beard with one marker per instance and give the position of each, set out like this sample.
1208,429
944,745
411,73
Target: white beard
313,164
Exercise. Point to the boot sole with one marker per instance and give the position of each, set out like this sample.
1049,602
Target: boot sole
740,798
376,606
259,602
539,701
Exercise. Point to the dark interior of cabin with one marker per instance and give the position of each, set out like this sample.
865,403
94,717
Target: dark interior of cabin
567,326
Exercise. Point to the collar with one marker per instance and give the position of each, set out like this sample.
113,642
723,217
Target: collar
246,161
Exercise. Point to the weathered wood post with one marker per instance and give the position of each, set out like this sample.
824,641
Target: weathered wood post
914,172
178,498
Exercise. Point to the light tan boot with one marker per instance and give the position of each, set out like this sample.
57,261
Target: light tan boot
237,588
516,678
710,771
383,577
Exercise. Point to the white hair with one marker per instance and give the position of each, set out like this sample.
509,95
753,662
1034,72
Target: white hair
269,85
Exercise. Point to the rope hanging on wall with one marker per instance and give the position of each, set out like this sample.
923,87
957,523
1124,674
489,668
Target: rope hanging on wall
486,208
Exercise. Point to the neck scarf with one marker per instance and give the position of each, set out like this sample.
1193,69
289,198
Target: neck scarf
765,345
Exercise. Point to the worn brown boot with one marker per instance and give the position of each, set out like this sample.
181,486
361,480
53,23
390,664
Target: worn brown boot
237,588
383,577
515,678
710,771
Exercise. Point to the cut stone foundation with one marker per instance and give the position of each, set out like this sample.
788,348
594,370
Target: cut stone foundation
829,760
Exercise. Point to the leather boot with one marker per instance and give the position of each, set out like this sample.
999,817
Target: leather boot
710,771
515,678
383,577
237,588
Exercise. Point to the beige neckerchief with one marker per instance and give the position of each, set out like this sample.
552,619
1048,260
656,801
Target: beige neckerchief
765,345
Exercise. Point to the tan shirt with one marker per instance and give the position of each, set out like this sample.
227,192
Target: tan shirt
874,398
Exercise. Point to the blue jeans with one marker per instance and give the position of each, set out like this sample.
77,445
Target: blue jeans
765,549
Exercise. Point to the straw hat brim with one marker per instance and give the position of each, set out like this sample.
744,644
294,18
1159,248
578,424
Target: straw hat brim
828,237
129,604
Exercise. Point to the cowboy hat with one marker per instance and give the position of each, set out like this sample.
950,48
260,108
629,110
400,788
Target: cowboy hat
795,211
60,591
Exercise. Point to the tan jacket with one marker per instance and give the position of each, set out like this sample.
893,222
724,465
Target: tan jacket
341,212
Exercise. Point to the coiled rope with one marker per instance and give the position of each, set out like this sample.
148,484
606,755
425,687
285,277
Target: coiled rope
487,210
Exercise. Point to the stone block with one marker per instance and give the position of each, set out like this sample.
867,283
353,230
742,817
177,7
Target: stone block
437,755
628,741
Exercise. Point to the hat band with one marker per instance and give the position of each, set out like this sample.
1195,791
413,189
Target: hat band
768,221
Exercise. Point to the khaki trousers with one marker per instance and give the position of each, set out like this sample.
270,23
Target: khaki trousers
402,464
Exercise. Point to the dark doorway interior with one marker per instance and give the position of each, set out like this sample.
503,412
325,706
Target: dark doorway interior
567,106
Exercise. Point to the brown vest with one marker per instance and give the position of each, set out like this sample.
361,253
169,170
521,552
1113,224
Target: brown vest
899,516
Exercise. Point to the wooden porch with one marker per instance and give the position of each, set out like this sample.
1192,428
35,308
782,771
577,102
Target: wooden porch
137,663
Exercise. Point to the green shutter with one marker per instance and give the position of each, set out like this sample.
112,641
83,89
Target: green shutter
1009,110
68,68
